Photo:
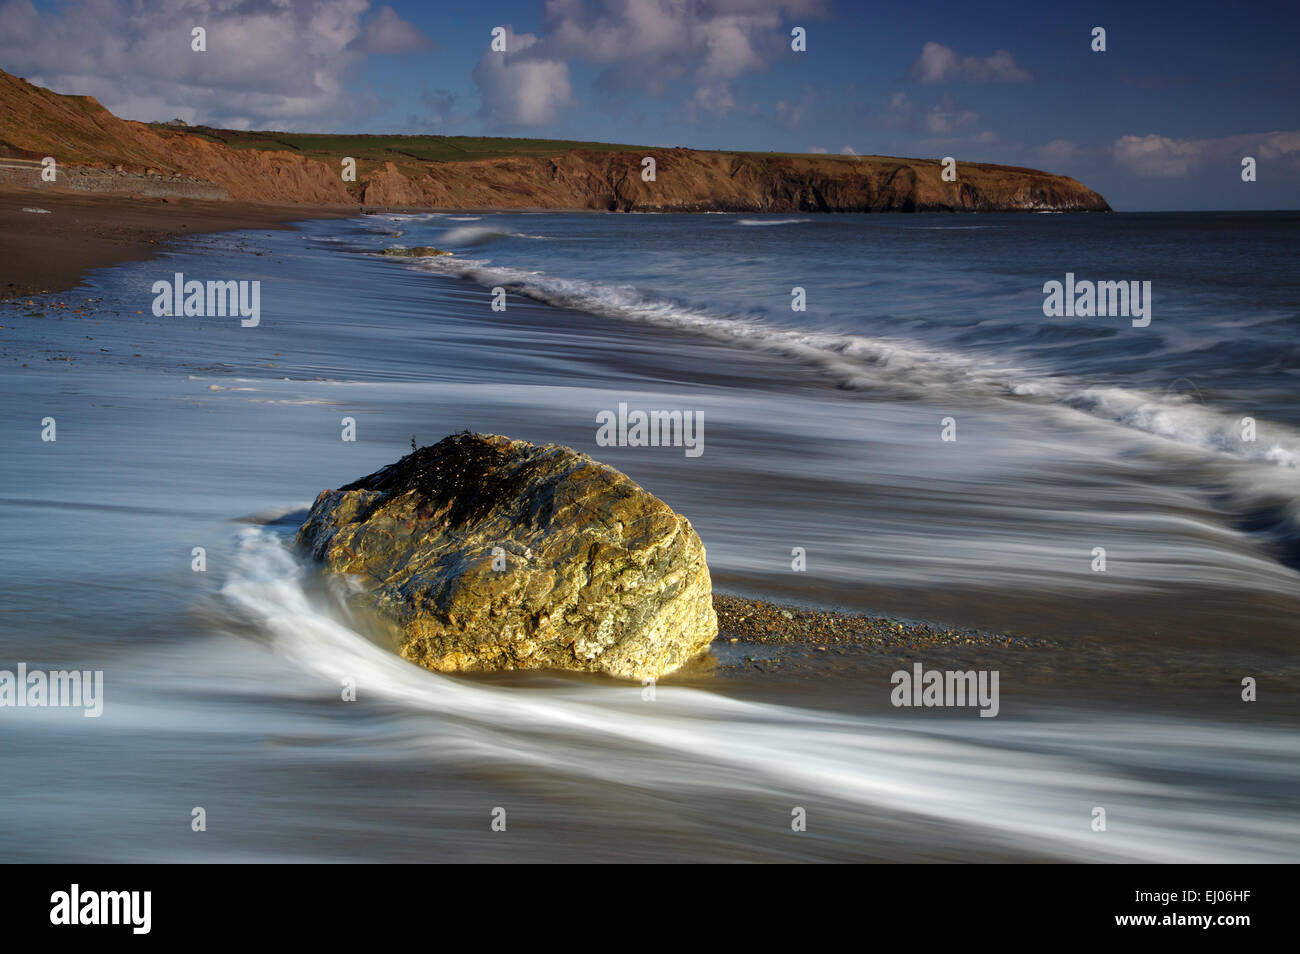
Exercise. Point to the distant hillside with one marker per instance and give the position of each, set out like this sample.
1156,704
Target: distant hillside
447,172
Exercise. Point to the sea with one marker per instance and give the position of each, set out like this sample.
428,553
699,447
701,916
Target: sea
889,422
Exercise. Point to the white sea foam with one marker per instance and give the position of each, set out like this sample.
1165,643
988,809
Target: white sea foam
860,362
1019,784
411,216
480,235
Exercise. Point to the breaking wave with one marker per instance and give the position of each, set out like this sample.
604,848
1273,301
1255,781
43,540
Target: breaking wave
859,362
1261,479
471,235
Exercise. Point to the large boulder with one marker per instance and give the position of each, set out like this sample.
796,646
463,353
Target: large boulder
486,553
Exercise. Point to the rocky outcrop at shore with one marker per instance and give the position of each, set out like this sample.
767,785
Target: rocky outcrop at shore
419,251
485,553
78,131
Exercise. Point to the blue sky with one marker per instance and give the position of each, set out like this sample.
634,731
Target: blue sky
1160,120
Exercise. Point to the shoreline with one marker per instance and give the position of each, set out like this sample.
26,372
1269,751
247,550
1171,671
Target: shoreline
46,254
817,657
842,641
50,253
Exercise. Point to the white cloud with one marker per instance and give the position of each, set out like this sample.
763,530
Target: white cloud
268,63
520,88
1274,145
945,116
848,151
938,63
715,98
935,62
1159,157
386,32
729,48
647,44
1059,151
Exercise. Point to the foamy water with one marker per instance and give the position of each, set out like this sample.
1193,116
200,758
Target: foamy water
584,761
821,431
1023,785
863,363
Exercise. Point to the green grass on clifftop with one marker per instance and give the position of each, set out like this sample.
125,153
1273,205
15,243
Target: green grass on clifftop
405,152
409,152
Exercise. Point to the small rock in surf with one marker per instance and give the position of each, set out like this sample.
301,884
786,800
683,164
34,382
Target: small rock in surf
420,251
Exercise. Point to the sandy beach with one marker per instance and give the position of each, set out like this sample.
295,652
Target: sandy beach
51,251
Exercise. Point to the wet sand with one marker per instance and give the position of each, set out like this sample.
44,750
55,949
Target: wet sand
796,653
42,253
